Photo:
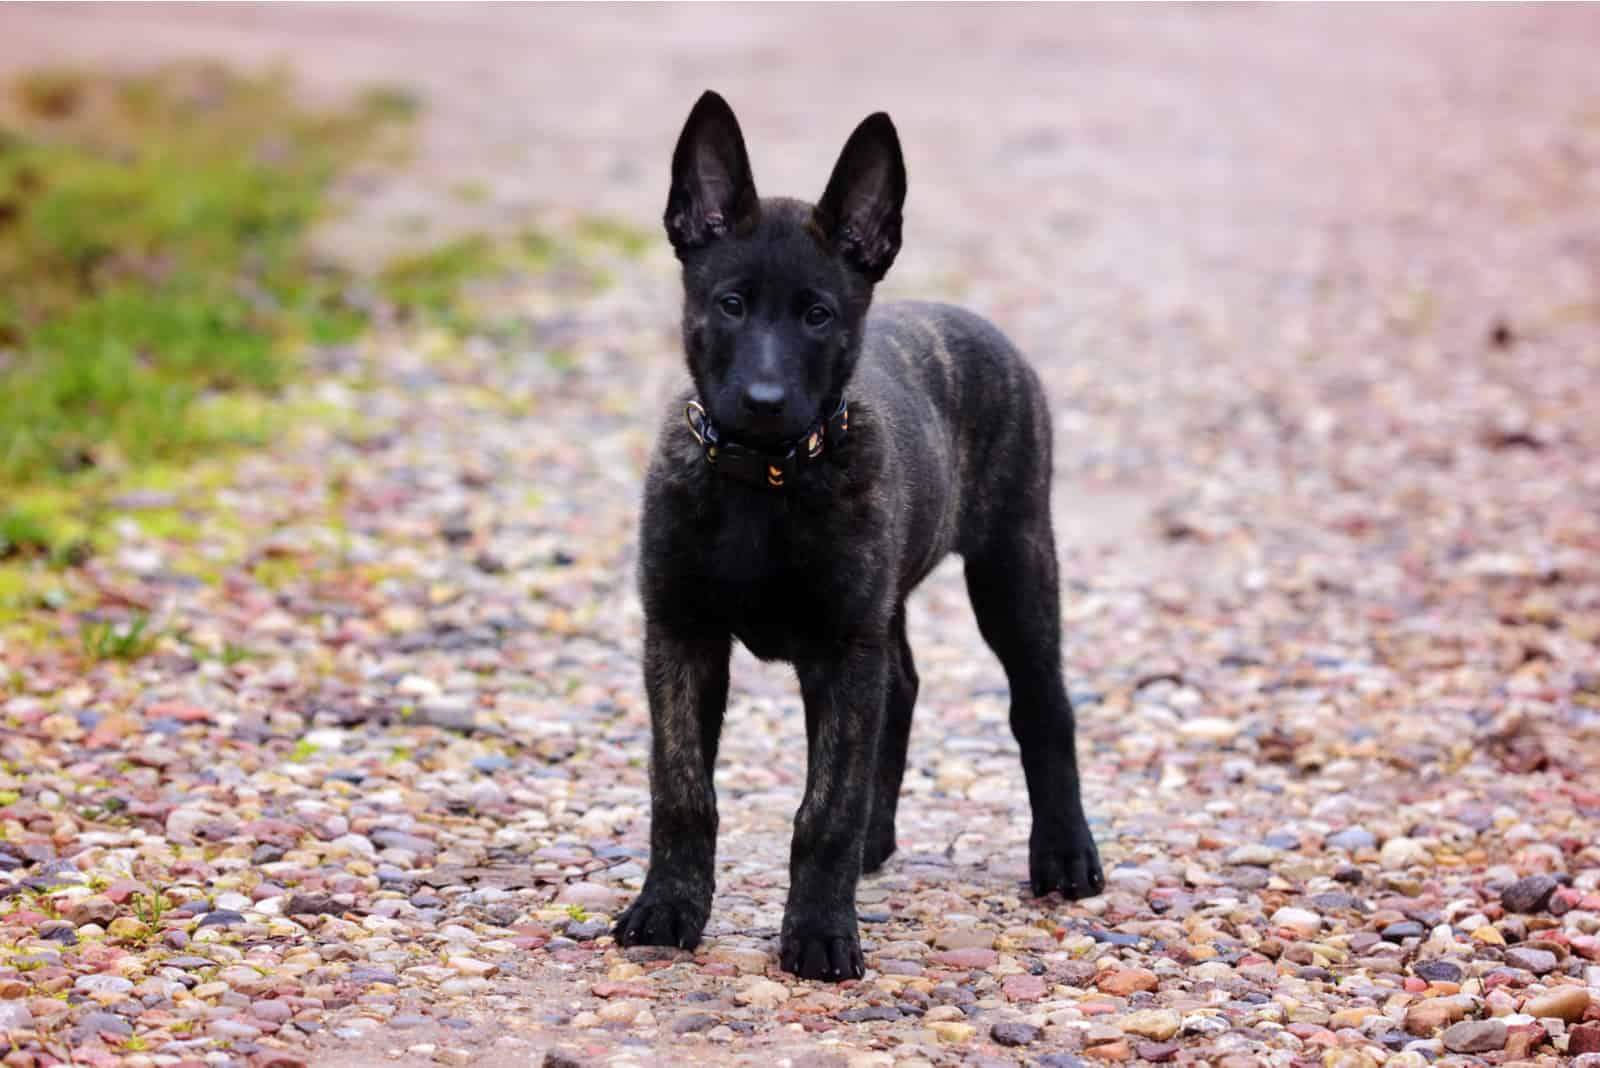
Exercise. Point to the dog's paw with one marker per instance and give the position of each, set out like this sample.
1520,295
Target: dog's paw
659,920
832,956
1068,864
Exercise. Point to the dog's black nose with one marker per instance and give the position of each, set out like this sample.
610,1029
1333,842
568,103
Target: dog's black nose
764,398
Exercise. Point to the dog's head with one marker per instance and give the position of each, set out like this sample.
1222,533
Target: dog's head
776,291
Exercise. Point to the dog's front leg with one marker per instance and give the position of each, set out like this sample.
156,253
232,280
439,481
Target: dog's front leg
844,697
686,679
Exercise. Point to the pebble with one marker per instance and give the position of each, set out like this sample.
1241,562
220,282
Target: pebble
1302,921
1010,1033
1158,1024
93,909
1584,1038
1537,961
14,1016
760,992
1529,895
1124,981
1565,1003
1351,839
951,1031
1475,1036
1399,853
103,984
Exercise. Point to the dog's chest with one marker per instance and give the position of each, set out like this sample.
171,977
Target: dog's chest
780,587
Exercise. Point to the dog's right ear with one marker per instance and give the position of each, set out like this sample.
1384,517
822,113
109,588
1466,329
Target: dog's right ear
712,193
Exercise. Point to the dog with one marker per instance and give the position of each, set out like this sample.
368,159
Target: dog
827,457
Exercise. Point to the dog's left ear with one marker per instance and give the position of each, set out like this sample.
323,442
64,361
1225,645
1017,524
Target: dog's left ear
860,212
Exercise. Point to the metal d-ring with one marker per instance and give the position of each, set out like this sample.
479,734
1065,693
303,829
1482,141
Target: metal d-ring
691,410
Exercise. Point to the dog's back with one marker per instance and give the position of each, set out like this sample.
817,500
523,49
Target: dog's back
968,419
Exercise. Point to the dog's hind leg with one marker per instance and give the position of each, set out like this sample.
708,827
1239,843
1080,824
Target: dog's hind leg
687,683
1013,584
891,766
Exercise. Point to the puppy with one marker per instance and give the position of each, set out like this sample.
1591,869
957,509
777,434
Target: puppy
827,458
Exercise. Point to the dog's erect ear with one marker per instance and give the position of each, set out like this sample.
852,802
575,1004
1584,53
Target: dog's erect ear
860,212
712,191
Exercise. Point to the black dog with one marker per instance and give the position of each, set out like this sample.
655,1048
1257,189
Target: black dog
830,461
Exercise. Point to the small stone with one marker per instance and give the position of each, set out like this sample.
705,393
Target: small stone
221,918
1537,961
1437,971
311,905
1159,1024
277,1058
588,930
236,1030
1403,853
964,938
127,928
695,1021
1110,1051
560,1058
14,1016
747,960
277,1012
760,992
1014,1034
93,909
1256,855
1351,839
1426,1017
103,1023
975,959
1475,1036
103,984
1121,982
471,966
870,1013
1301,921
1563,1003
1024,987
1585,1038
592,896
1157,1052
1399,932
952,1031
1531,894
1211,729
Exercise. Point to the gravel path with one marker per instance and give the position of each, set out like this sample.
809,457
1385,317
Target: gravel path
1316,293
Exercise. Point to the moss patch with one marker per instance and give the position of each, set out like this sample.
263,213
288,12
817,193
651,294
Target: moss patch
153,256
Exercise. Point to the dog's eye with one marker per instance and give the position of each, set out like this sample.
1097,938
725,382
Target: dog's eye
732,306
818,316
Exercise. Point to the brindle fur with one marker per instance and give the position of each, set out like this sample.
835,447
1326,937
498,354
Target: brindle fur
948,450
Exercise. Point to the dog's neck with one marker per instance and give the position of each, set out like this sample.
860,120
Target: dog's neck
774,469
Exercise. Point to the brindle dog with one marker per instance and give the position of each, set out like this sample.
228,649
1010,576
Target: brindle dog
830,460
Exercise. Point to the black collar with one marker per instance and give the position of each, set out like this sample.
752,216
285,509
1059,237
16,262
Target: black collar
768,470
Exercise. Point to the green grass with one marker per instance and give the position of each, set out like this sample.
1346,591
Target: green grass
118,641
428,287
152,256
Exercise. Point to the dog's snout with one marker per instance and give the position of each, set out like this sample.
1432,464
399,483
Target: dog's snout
764,398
